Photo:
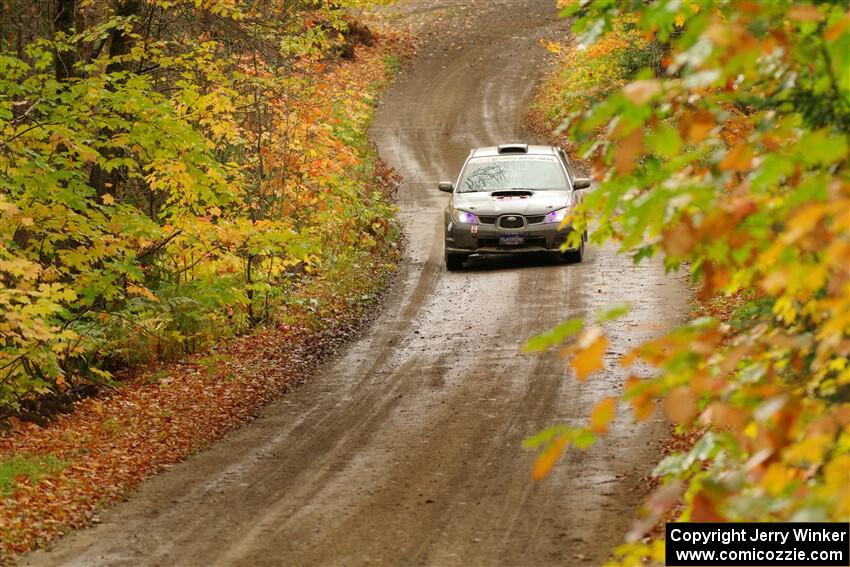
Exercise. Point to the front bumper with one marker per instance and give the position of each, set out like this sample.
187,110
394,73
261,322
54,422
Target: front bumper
484,238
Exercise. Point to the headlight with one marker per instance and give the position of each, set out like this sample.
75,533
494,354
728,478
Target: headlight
462,217
557,215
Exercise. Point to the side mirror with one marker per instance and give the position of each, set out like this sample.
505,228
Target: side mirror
446,186
581,183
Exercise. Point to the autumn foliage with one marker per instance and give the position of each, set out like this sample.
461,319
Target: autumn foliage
730,160
170,173
213,179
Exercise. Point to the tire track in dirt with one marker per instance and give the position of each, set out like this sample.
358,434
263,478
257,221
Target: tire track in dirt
405,449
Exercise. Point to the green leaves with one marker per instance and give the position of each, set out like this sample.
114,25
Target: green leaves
177,189
555,337
726,150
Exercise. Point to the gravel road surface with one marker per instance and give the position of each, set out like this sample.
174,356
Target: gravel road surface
405,449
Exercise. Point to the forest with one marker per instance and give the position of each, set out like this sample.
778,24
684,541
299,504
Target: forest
719,135
194,217
170,173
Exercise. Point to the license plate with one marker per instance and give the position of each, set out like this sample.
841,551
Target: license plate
511,239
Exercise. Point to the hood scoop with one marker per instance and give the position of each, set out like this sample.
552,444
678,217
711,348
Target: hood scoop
512,194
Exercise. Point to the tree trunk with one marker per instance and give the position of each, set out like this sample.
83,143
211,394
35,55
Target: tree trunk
119,44
64,22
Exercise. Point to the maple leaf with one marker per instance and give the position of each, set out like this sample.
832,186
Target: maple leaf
546,460
602,415
589,352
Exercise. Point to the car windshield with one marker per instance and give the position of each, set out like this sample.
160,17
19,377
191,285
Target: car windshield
538,173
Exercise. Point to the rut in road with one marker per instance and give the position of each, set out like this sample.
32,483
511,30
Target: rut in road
406,448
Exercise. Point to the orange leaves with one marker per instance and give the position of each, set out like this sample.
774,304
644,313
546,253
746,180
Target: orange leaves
640,393
704,510
679,238
589,353
547,459
805,13
641,92
555,441
753,201
603,414
680,405
141,291
726,416
739,158
696,126
626,152
837,29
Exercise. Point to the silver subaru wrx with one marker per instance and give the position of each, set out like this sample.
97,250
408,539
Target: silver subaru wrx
510,199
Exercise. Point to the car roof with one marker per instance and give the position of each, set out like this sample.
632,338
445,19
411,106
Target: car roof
491,151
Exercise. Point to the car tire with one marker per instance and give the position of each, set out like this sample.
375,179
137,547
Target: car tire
574,256
454,262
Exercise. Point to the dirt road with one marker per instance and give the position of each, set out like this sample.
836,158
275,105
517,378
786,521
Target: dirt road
406,448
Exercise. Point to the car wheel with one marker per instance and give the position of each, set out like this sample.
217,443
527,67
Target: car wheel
574,256
454,262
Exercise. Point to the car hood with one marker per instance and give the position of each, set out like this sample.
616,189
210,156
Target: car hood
519,202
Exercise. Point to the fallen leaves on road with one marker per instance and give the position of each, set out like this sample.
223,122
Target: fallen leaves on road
113,442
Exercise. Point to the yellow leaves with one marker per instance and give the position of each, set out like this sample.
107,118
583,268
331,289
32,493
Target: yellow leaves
108,199
21,268
811,450
786,309
603,414
835,487
589,352
553,47
805,220
778,478
141,291
758,207
547,459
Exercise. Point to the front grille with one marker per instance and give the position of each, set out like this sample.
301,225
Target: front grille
537,219
511,221
530,242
